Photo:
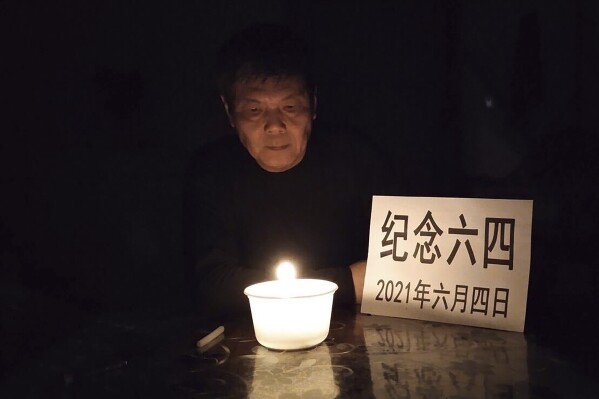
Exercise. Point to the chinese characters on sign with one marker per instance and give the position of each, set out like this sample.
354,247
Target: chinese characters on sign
463,261
424,251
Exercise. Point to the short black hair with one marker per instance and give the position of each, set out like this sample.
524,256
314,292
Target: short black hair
264,51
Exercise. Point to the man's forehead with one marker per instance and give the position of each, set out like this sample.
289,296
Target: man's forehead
283,85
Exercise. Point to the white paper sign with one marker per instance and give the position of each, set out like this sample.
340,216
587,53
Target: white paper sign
452,260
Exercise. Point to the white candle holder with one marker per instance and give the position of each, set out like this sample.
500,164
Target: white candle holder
291,314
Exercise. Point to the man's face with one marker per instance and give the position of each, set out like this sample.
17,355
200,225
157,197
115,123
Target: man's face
273,119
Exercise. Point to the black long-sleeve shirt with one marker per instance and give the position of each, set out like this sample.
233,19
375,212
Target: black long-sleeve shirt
243,220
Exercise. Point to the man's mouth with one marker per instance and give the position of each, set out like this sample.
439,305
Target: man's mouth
277,147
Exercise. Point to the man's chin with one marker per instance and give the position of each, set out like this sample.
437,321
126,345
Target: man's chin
277,167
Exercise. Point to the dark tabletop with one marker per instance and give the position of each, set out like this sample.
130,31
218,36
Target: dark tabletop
116,356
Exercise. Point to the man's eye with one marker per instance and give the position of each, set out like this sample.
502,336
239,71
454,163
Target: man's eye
289,108
252,111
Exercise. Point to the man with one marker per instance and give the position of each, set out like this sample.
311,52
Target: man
279,189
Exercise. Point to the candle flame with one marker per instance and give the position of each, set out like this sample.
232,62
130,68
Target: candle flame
286,271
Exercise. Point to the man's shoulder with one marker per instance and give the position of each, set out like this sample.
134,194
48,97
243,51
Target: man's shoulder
217,155
220,146
352,144
358,156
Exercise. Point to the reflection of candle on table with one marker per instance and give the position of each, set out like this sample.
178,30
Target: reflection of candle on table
291,313
297,374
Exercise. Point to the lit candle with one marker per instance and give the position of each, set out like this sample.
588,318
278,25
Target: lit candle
291,313
286,270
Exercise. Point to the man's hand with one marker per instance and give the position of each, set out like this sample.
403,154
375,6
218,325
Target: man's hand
358,271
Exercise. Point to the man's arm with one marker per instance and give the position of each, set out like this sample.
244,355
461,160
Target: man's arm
379,178
216,277
219,284
358,271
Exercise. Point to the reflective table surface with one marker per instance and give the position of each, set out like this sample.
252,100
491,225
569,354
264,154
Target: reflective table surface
363,357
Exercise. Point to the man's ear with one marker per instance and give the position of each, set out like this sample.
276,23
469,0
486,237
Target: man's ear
314,104
226,105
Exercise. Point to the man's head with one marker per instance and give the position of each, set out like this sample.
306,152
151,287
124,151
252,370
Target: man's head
268,91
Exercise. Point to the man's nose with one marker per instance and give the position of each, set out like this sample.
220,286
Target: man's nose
274,123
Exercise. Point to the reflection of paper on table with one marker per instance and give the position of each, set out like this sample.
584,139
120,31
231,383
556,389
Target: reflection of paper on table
306,373
411,358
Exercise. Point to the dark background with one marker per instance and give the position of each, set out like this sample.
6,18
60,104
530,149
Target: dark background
105,101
